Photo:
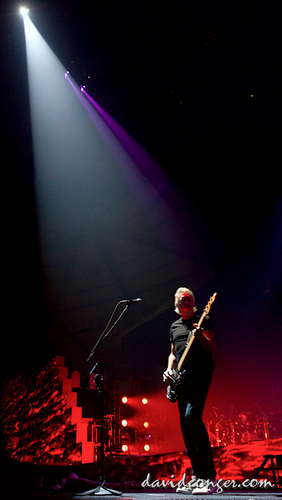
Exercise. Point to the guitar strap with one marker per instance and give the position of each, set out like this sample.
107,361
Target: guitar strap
190,340
188,337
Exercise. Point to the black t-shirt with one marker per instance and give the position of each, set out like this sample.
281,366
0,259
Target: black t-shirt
199,360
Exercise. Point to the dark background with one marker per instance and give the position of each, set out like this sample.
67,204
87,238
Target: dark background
198,85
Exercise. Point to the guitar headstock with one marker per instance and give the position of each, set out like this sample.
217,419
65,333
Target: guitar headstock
209,304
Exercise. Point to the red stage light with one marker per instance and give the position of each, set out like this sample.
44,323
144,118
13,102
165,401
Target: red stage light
124,423
146,425
146,447
124,447
124,400
145,401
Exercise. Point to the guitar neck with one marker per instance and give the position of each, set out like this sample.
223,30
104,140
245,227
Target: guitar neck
201,319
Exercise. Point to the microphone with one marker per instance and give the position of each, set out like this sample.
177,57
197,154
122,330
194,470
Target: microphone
130,301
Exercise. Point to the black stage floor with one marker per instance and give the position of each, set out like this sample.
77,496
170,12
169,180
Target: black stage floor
251,495
177,496
162,494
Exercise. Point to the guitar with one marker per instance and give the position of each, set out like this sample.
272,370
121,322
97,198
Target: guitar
178,376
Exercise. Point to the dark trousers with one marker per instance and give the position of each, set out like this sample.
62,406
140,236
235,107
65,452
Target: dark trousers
191,404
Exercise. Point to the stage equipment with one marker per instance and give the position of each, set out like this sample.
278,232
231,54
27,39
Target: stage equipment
275,466
220,430
99,380
243,429
24,11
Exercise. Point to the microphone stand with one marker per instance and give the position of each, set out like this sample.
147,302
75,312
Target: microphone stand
99,380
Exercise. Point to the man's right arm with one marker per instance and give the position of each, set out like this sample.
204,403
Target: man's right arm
168,374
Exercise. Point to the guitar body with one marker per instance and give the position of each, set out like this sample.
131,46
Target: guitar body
174,386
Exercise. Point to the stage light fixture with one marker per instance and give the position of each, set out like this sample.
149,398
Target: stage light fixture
146,447
124,400
145,401
146,425
124,447
124,423
24,11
